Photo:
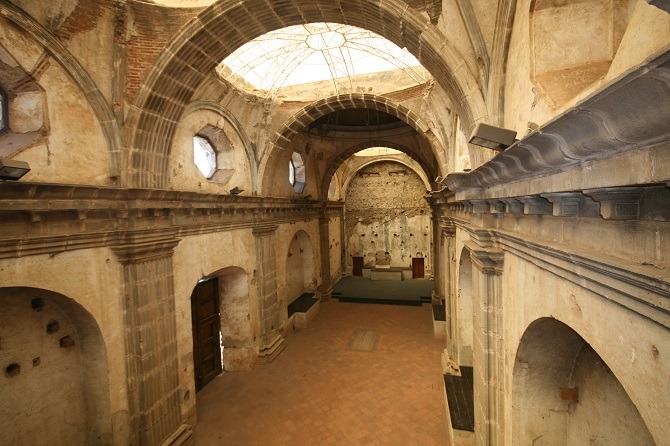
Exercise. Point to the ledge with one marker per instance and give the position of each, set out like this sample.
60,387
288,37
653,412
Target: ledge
631,112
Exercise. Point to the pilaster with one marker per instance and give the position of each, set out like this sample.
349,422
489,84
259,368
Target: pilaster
488,346
272,343
326,289
150,333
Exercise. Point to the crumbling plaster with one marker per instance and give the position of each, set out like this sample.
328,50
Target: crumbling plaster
98,292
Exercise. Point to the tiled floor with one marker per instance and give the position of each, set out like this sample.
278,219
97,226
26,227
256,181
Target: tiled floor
320,392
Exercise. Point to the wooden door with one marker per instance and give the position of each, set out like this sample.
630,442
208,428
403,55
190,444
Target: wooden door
206,328
358,267
417,267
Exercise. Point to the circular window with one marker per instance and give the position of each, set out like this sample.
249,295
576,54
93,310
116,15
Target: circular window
204,156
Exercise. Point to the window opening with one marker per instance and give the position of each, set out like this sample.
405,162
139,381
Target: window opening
296,172
204,156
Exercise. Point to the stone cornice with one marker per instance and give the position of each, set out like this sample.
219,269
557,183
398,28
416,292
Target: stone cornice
40,218
641,288
629,113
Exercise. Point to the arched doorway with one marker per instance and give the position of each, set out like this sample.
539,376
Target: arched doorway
300,276
222,330
563,393
54,371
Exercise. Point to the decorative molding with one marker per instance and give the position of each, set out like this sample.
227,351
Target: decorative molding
488,260
660,4
535,205
68,217
621,203
512,205
564,203
627,114
642,289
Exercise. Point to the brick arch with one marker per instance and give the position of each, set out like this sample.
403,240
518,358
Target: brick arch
225,26
341,158
304,117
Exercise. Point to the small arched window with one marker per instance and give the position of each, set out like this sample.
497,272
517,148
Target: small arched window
296,173
204,156
4,111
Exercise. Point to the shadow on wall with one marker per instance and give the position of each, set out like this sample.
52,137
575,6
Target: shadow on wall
564,394
54,382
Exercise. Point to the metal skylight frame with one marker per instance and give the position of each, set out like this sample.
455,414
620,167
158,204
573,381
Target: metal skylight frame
315,52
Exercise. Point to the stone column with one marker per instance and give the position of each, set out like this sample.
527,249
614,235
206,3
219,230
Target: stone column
326,288
272,343
488,348
150,333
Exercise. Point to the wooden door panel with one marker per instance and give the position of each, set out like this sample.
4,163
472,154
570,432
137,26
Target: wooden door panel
206,328
417,268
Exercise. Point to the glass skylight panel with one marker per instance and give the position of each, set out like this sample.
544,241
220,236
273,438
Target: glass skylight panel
316,52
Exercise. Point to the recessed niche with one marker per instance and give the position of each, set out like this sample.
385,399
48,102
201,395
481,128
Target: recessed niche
66,342
13,369
53,327
37,361
37,304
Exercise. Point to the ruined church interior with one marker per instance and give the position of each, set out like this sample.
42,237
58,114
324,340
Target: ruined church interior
193,192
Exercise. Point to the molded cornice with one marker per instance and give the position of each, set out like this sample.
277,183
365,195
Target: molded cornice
632,112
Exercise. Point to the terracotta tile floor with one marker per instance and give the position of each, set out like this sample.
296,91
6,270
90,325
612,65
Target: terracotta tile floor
319,392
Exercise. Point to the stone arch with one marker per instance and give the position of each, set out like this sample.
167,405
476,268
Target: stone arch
414,168
237,334
304,117
300,271
564,392
225,26
463,310
237,127
55,340
58,50
337,162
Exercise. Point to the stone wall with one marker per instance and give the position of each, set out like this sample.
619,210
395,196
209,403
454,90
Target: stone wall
386,212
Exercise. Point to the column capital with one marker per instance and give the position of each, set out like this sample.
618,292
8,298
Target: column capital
264,230
488,260
145,245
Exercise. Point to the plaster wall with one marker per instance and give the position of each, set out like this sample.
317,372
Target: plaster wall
91,279
527,100
335,246
604,413
202,256
632,347
69,121
386,212
50,379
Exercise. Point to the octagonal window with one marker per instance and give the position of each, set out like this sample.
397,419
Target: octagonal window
204,156
296,172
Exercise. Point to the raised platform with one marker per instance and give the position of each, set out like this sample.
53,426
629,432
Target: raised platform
392,292
439,321
304,309
460,397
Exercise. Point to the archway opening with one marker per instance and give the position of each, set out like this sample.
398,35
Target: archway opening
564,393
54,381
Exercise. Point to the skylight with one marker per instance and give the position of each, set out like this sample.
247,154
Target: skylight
316,52
378,151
